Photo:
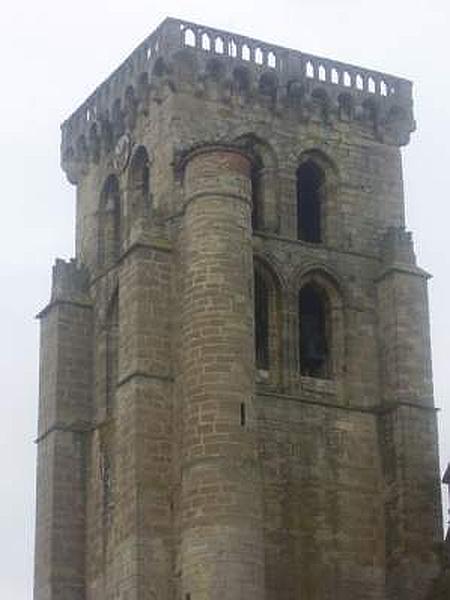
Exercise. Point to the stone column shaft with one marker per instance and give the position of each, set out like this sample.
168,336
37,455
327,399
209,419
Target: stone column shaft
408,431
221,502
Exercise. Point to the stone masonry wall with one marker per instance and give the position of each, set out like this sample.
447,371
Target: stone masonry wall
195,475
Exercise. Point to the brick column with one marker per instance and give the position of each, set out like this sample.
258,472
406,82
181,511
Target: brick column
65,410
408,425
221,500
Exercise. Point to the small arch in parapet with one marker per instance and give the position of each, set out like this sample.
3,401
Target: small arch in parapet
322,73
371,87
309,70
272,60
268,84
383,88
346,79
206,42
219,46
359,82
232,48
334,76
259,56
245,52
189,38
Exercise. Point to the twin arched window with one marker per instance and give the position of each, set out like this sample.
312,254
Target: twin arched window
311,186
314,320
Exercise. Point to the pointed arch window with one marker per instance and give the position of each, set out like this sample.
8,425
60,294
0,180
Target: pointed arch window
267,323
257,195
139,184
310,192
109,223
261,321
314,332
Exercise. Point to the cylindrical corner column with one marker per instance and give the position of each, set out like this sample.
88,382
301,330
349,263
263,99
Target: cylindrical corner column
408,429
222,552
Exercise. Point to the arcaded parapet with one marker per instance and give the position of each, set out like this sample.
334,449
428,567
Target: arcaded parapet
286,78
238,377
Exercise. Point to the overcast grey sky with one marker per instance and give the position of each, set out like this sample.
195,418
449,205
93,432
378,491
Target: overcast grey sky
54,53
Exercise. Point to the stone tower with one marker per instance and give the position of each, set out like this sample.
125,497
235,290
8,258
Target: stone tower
236,394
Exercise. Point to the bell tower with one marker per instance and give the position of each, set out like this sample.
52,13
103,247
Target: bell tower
236,394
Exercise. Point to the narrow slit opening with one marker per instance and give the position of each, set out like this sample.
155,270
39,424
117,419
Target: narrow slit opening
242,414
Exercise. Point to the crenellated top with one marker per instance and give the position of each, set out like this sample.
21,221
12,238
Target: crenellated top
103,115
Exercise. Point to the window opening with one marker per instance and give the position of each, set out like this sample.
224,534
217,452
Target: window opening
219,46
334,76
313,348
322,73
140,184
189,38
109,223
259,57
310,180
255,177
206,42
242,414
261,322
